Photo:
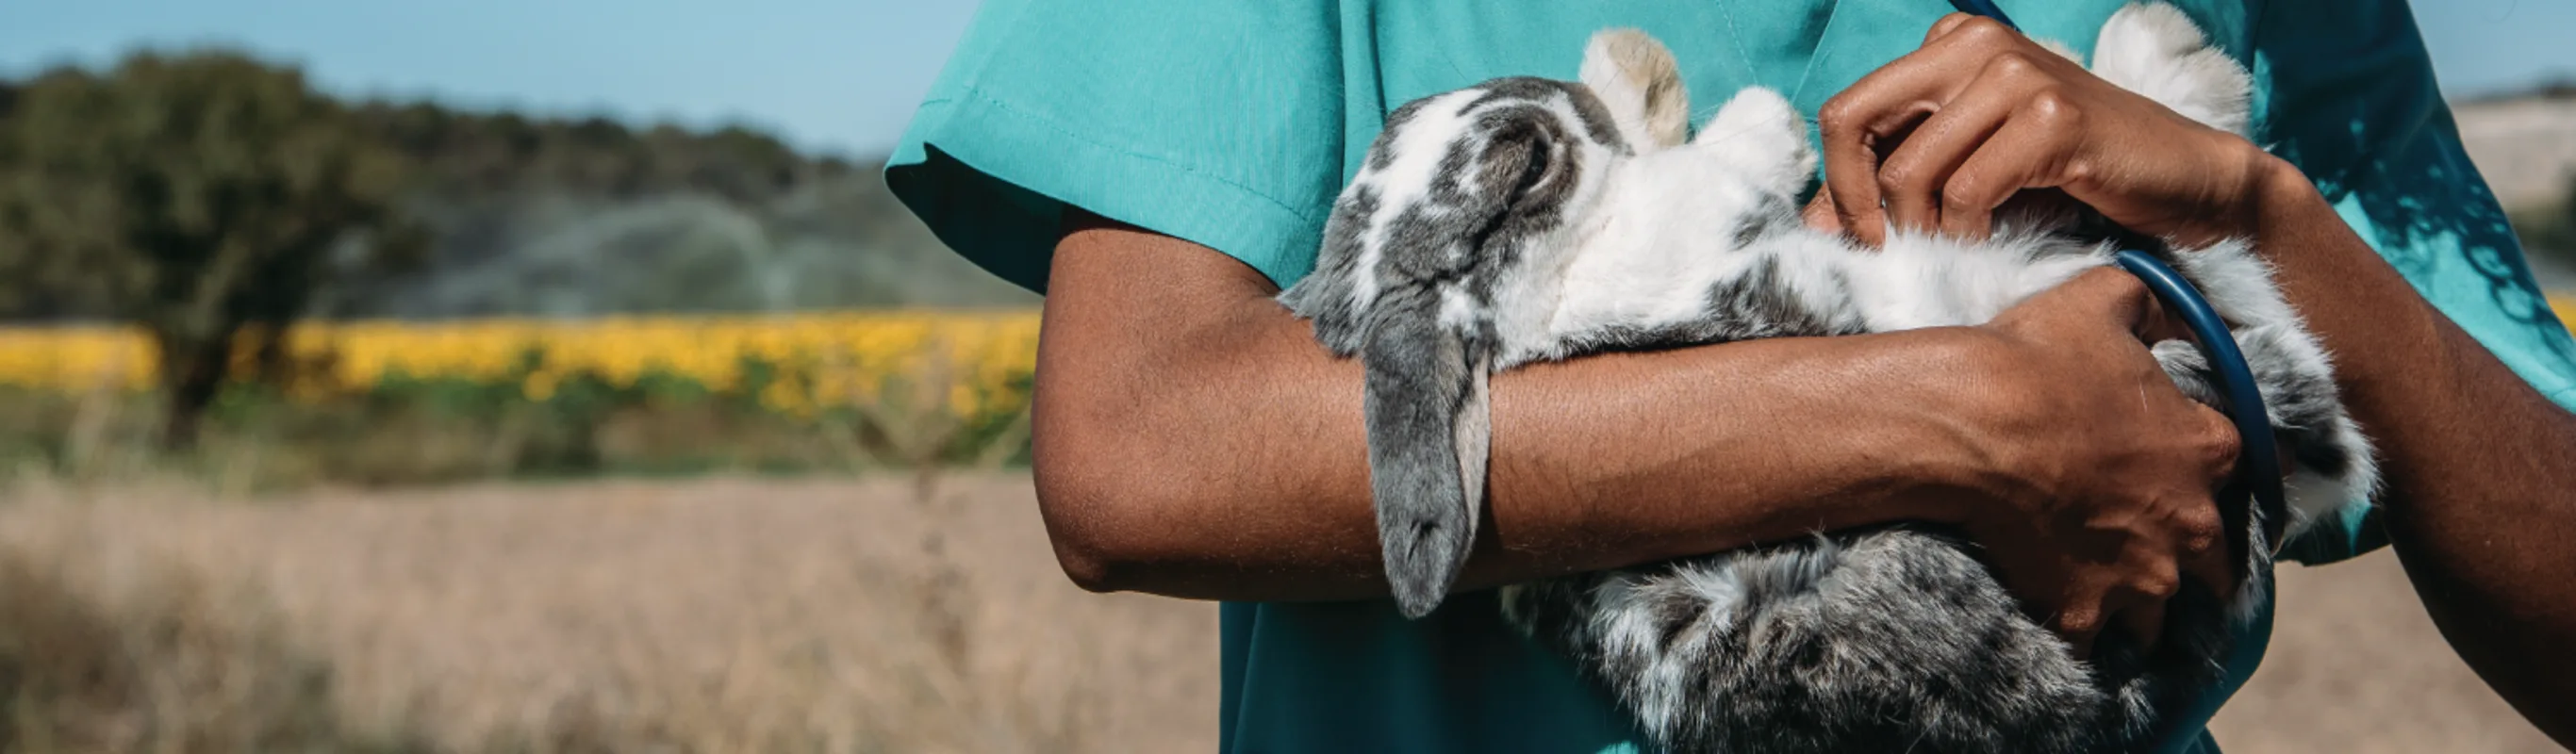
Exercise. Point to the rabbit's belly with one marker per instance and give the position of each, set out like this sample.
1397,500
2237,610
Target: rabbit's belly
1927,282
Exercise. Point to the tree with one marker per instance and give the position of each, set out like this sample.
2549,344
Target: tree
204,196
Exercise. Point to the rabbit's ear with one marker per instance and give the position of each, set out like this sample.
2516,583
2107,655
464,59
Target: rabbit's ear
1427,435
1501,192
1635,77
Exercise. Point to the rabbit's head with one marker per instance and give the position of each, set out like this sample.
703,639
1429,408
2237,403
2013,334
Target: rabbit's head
1452,240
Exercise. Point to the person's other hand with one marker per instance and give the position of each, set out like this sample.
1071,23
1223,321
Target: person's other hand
1936,140
2092,479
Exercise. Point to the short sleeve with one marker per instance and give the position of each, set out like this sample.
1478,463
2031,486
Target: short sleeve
2346,92
1215,122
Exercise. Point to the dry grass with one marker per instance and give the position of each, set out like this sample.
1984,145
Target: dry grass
732,615
152,659
715,616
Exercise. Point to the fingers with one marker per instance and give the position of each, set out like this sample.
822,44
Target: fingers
2034,147
2150,574
2080,622
2204,553
2202,529
1851,135
2144,617
1894,140
2214,568
2219,442
1879,108
1913,178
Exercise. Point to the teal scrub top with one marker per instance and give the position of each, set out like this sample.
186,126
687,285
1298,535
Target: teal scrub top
1233,124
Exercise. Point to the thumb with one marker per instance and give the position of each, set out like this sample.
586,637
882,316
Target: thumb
1820,215
2120,298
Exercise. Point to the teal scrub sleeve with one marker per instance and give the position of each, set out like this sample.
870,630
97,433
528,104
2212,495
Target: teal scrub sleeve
1219,123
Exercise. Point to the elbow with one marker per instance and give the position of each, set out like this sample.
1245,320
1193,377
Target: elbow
1090,564
1110,526
1092,555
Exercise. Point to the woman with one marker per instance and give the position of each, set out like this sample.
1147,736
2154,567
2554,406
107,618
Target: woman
1159,169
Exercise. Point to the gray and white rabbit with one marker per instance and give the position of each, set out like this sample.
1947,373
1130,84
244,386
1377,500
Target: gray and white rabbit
1528,219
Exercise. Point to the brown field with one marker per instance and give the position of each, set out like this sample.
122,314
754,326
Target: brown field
740,615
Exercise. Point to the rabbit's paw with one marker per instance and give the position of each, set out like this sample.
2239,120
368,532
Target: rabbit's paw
2155,50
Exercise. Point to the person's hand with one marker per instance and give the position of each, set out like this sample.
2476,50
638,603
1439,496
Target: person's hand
1935,141
2093,478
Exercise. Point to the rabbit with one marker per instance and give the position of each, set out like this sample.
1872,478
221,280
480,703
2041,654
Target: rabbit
1528,219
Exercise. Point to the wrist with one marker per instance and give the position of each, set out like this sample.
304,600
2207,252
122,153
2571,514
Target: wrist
2257,186
1949,465
2278,195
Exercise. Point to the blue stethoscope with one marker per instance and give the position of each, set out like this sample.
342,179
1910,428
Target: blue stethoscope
2258,465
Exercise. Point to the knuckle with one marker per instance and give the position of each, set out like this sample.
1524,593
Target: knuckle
1896,177
2115,283
1955,200
2161,583
2201,529
2111,277
1839,115
2011,65
2223,444
2049,104
1964,193
2080,622
1982,32
2150,308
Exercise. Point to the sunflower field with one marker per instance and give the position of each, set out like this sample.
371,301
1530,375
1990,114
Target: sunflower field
811,361
574,396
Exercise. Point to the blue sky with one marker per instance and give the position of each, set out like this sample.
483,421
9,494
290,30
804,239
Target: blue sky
839,75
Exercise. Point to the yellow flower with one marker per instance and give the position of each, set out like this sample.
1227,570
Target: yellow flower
977,360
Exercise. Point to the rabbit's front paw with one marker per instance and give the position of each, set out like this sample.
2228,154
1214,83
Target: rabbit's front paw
2155,50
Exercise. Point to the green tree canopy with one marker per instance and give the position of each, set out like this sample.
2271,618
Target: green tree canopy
203,195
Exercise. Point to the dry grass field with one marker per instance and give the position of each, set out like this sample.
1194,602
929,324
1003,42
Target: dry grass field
703,616
738,615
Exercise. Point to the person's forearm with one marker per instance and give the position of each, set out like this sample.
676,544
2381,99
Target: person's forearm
1232,462
2479,468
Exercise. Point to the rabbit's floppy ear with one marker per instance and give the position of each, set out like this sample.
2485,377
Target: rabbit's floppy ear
1505,182
1636,78
1427,436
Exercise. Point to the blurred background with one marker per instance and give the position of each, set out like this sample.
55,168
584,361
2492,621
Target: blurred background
554,377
